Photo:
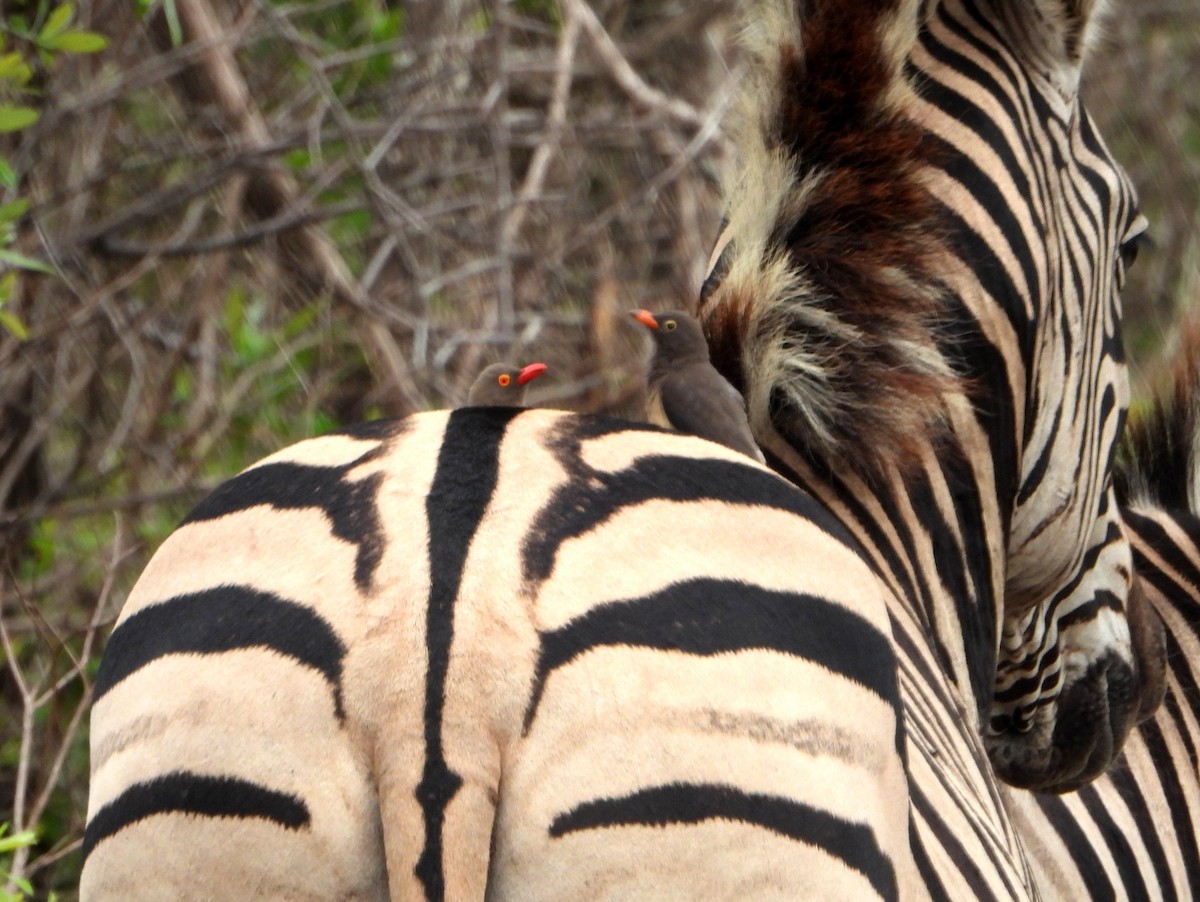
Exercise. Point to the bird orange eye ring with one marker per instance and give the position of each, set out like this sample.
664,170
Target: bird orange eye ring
504,379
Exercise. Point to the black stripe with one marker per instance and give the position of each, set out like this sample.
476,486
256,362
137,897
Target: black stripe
977,623
689,803
962,169
350,506
711,617
1166,547
381,429
1083,855
463,484
1147,830
981,888
930,877
198,794
1174,772
962,339
892,565
1114,839
592,496
221,619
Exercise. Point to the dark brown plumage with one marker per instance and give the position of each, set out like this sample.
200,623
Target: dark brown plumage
503,385
686,392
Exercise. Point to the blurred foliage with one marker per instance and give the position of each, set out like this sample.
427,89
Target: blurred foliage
248,221
8,845
28,44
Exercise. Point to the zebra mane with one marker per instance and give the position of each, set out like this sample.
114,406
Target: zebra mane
831,287
1158,462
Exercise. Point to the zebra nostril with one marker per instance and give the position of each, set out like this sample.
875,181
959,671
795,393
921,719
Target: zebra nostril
1001,723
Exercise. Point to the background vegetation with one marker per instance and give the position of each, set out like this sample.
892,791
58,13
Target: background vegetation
230,224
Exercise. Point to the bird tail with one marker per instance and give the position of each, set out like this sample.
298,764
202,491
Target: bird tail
823,304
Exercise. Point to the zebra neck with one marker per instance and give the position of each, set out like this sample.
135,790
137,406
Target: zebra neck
935,537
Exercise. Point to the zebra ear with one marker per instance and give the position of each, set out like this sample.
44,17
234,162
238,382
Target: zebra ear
1056,33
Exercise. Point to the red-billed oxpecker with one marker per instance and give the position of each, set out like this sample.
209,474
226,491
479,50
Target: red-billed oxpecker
503,385
686,392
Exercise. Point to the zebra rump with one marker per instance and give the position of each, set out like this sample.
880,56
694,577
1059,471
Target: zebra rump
530,654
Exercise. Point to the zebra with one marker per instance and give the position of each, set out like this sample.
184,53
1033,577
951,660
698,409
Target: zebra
539,654
1132,833
455,654
920,303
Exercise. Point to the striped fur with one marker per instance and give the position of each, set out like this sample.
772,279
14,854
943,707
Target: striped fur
544,655
945,181
1133,833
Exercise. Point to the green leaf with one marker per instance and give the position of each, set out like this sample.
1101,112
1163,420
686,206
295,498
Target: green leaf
14,68
78,42
19,26
8,175
57,23
18,841
12,258
14,210
173,26
15,118
21,331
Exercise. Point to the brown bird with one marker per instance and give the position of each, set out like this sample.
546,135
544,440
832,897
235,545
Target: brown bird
686,392
503,385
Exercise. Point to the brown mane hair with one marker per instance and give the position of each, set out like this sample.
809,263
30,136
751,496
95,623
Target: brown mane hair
831,290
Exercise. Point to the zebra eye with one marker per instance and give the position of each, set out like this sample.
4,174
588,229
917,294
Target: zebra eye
1135,239
669,326
504,379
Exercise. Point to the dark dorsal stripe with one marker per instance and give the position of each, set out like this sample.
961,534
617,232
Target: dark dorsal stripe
711,617
691,803
223,619
350,506
183,792
591,497
463,483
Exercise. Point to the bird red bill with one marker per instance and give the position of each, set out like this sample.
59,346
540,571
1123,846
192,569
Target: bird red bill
532,371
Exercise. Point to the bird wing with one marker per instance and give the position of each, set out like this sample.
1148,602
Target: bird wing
698,400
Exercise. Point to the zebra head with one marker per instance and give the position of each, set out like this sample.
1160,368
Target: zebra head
924,318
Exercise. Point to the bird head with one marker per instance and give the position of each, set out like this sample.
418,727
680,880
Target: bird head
677,334
503,385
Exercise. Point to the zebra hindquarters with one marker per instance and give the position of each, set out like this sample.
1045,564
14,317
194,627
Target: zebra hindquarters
225,762
522,655
713,709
